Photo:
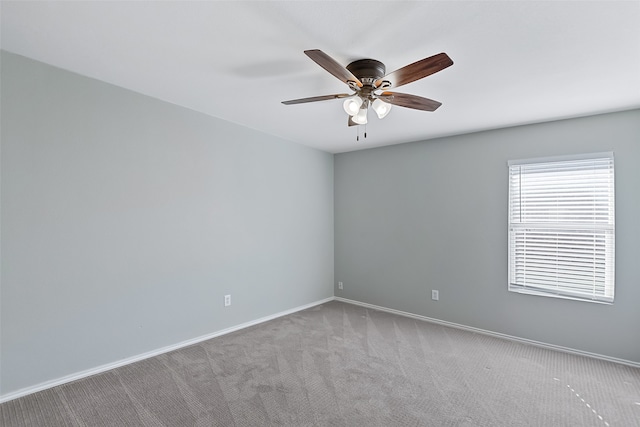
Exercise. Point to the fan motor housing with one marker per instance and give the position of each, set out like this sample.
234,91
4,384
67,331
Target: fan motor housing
367,70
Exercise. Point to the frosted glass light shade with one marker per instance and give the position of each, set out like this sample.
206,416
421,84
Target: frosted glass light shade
352,105
361,117
381,108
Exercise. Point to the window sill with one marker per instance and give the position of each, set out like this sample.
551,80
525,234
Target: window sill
552,295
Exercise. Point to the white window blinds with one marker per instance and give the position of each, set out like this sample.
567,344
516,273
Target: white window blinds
561,227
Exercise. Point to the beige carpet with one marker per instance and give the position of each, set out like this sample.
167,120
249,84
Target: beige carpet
343,365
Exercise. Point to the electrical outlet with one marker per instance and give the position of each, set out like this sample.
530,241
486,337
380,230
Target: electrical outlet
340,285
435,295
227,300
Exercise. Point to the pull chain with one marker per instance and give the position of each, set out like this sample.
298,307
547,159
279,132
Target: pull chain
358,132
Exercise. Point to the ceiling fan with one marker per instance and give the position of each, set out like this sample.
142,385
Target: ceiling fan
366,77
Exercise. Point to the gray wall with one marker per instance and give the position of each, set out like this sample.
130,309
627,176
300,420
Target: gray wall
433,215
126,219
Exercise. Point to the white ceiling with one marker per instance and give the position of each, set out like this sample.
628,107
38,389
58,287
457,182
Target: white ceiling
515,62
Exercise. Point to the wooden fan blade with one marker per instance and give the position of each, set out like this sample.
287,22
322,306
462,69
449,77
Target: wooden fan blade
330,64
316,98
410,101
416,71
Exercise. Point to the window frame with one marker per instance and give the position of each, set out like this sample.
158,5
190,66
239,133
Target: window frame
524,227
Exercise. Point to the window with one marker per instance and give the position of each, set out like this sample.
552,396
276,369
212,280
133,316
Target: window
561,227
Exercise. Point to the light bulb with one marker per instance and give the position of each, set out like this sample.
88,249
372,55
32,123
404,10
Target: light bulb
352,105
381,108
361,117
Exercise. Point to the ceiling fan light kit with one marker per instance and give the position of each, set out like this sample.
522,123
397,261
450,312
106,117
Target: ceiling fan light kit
361,117
367,78
381,108
352,105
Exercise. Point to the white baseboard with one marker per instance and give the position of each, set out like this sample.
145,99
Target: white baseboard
490,333
86,373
